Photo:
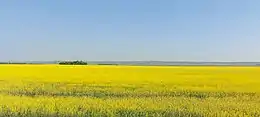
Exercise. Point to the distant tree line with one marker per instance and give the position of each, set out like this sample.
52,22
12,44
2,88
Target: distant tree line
73,63
14,63
107,64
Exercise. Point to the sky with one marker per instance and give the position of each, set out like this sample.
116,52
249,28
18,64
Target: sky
123,30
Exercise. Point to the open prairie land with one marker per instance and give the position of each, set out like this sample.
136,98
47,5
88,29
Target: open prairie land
55,90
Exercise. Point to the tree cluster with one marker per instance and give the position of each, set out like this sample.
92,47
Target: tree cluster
73,63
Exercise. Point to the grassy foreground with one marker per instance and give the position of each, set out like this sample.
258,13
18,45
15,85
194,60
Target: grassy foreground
53,90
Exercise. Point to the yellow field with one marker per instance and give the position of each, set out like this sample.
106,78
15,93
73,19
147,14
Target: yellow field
53,90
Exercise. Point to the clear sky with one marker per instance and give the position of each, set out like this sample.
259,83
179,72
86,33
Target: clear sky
171,30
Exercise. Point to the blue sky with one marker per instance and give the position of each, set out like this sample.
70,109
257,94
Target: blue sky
171,30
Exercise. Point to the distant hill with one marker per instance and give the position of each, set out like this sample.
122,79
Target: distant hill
148,63
176,63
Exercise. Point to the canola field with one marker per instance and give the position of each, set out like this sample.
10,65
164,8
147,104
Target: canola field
129,91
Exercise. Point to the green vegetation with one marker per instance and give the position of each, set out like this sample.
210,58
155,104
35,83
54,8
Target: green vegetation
73,63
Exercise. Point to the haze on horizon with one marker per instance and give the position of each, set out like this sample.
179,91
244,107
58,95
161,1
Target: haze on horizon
134,30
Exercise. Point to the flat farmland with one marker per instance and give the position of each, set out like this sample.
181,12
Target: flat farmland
118,91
